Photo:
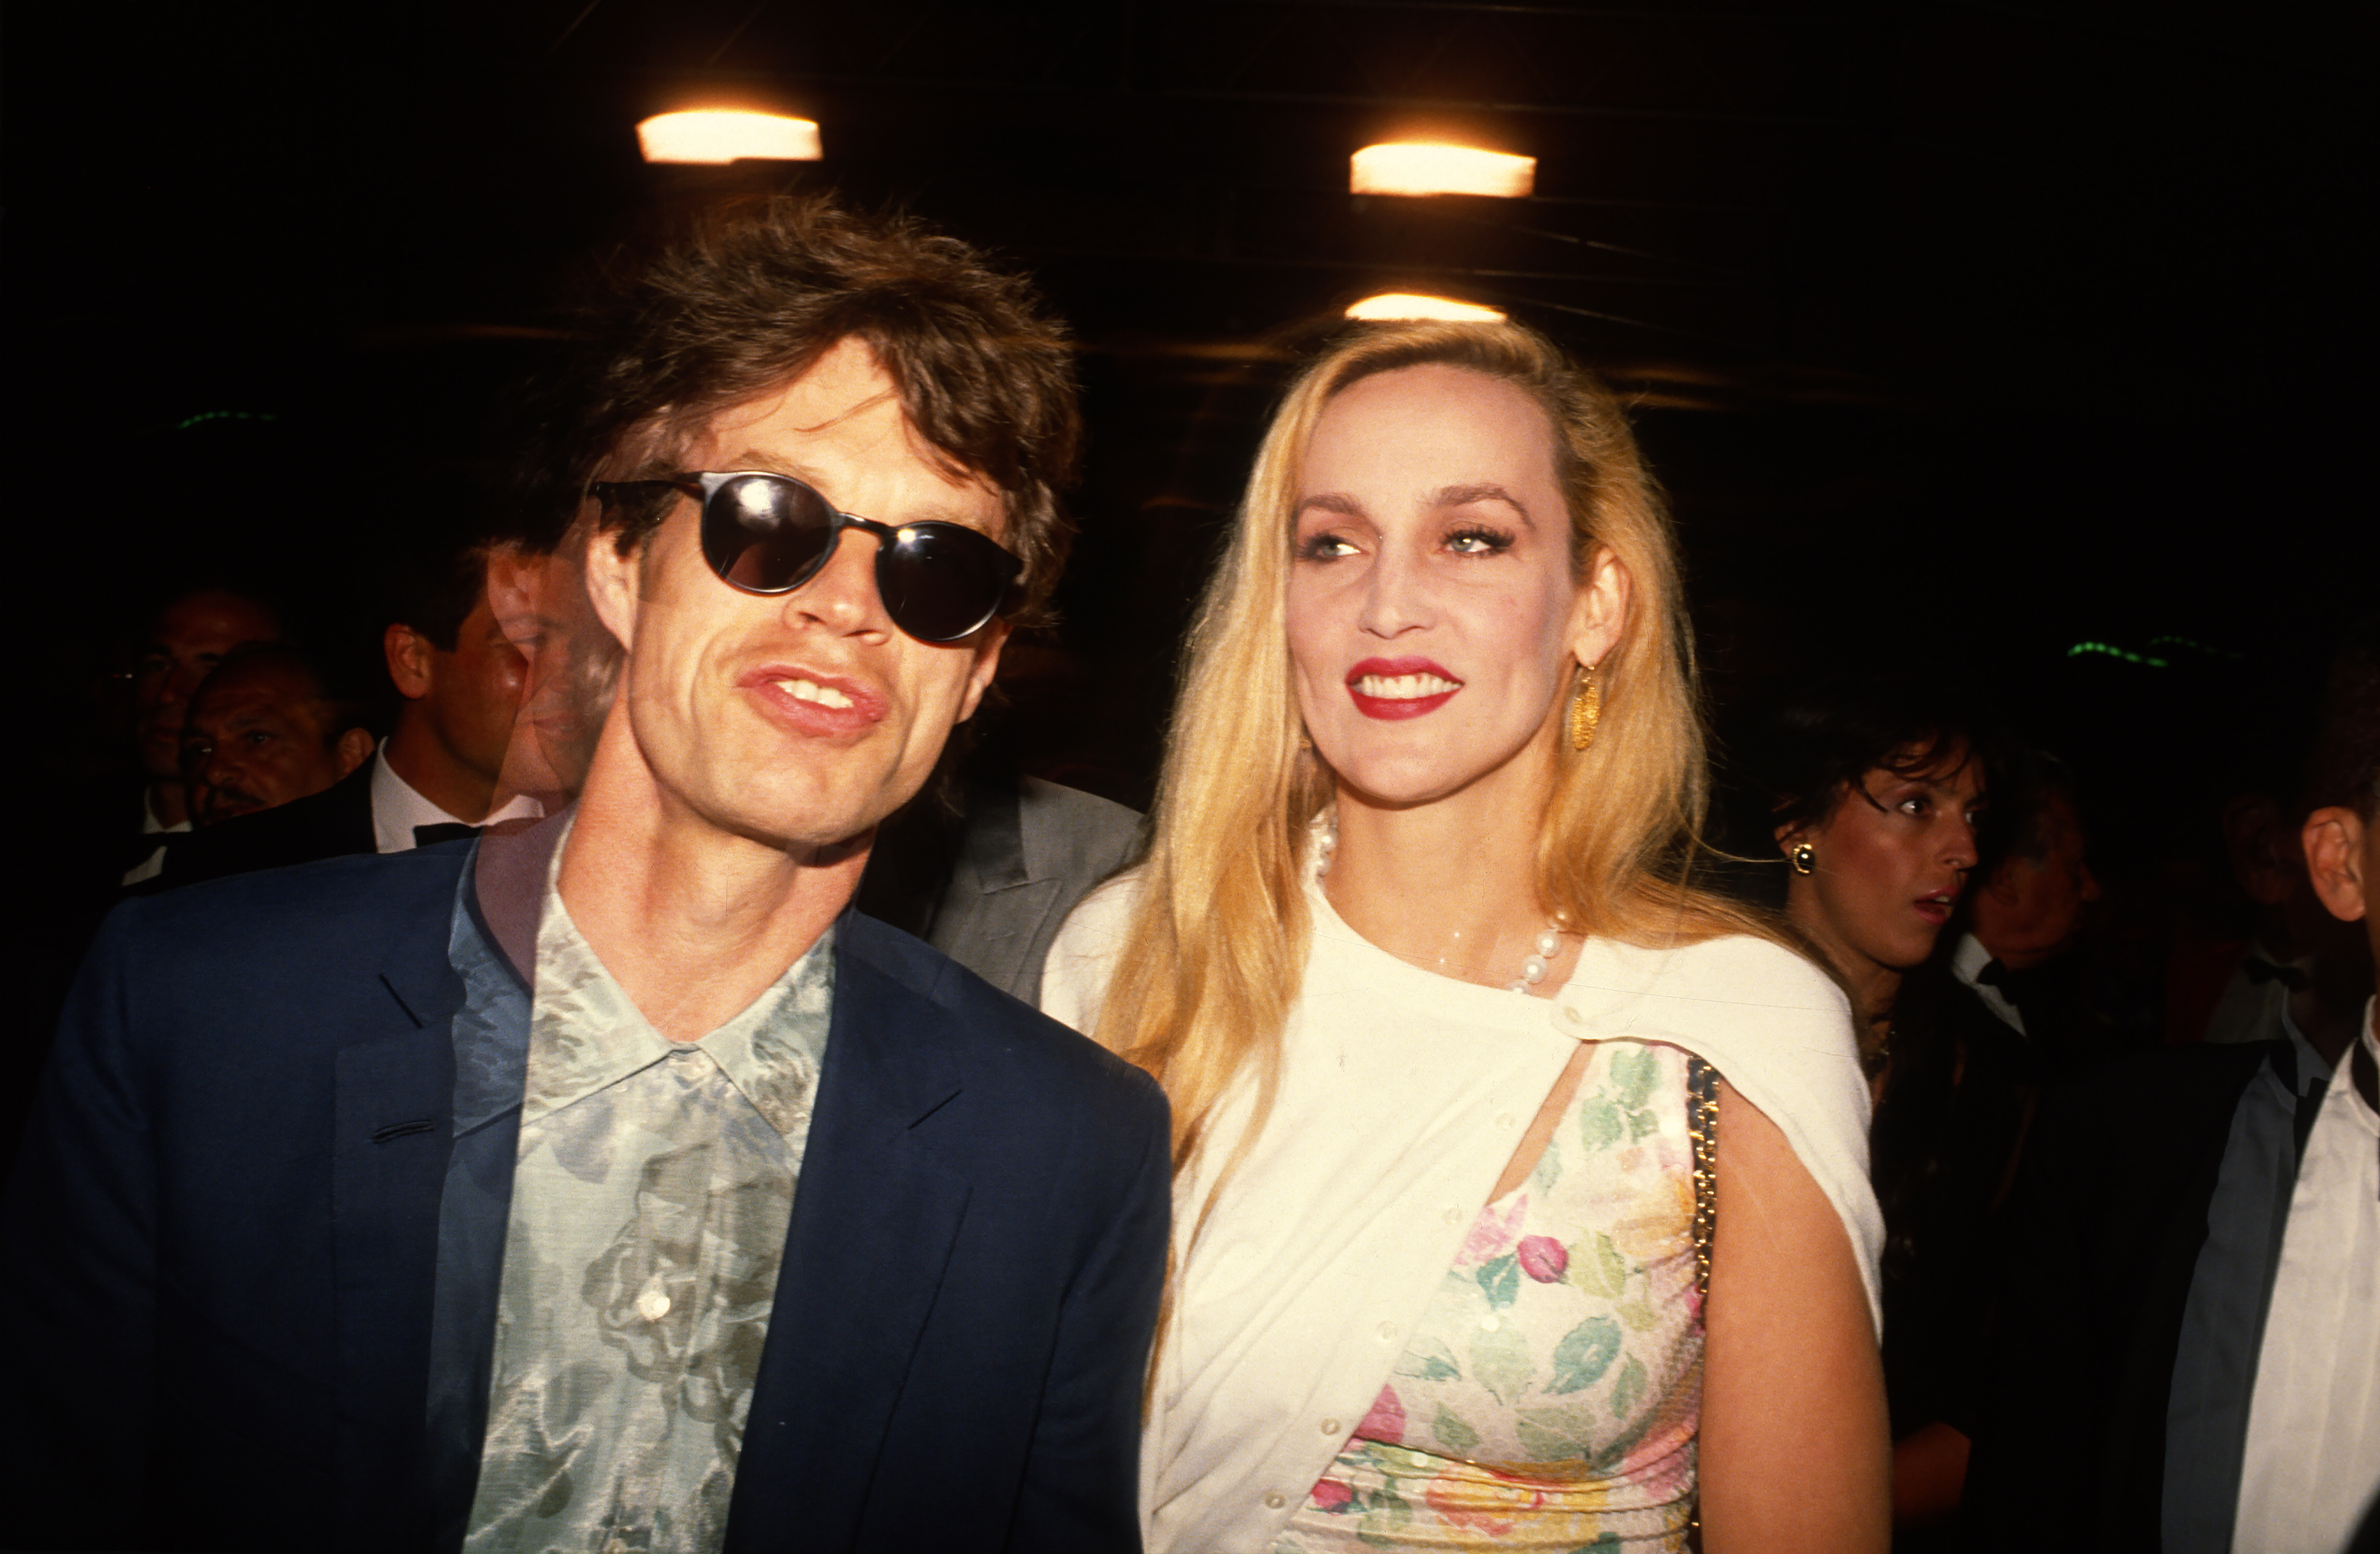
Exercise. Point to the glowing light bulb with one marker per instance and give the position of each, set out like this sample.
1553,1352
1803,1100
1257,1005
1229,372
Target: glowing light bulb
1392,305
1433,168
721,135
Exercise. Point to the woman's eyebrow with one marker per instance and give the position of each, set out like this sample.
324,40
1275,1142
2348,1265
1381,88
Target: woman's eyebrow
1478,491
1332,501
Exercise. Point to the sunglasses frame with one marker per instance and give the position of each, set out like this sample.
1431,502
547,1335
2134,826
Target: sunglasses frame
704,485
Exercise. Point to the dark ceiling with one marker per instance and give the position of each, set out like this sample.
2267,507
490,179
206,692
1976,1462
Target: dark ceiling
1971,330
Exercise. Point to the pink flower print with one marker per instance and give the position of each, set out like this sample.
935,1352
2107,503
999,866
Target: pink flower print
1385,1423
1492,1232
1330,1495
1543,1258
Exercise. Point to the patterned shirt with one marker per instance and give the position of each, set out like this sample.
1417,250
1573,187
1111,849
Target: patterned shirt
652,1189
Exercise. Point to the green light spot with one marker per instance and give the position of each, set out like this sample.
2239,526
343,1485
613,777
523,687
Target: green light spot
225,415
2112,651
2196,647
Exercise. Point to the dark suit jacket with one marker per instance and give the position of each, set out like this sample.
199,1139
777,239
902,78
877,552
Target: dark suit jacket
331,824
990,885
2109,1217
222,1239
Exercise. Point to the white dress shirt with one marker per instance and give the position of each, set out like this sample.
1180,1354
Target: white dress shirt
1967,963
398,807
2312,1458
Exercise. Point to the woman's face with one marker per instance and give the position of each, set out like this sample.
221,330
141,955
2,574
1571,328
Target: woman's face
1434,621
1889,862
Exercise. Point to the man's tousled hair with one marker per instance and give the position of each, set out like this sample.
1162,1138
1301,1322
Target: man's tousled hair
735,301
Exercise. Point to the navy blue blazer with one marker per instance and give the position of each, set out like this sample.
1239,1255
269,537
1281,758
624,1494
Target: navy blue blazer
222,1240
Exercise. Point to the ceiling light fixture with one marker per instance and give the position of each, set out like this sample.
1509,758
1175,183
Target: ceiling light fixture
1397,305
1434,167
723,135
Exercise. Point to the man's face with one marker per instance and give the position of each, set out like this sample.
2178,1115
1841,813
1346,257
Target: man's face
797,719
183,644
475,691
2029,909
255,738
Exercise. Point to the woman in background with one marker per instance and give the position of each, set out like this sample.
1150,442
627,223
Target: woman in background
1875,787
1462,1063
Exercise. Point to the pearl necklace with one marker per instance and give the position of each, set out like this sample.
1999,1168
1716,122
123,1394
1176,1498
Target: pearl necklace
1533,969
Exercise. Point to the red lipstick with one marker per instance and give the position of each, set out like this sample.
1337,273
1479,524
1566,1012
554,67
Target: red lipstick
1395,708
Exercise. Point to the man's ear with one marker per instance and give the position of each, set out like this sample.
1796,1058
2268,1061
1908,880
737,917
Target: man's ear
613,581
355,748
2333,838
1599,611
410,663
986,664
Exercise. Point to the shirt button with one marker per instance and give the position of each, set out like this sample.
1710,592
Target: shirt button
1388,1332
1488,1323
1453,1215
1273,1501
1331,1427
652,1305
1505,1120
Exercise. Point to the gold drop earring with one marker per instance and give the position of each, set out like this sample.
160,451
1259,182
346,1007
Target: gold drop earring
1586,710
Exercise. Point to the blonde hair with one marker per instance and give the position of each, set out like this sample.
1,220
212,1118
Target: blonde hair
1215,951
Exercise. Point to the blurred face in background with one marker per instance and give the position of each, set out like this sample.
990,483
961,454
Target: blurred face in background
259,735
1889,862
569,668
467,698
182,647
2030,908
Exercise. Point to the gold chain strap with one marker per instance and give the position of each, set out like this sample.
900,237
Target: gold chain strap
1701,1126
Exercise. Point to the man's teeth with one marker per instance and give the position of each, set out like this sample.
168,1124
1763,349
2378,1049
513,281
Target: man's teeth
1405,688
811,690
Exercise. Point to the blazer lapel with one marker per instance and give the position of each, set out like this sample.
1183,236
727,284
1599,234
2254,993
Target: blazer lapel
875,1216
393,1114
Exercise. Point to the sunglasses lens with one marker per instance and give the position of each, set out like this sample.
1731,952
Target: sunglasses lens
941,581
766,534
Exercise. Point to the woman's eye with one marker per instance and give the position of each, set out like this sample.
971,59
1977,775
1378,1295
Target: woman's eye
1478,541
1325,547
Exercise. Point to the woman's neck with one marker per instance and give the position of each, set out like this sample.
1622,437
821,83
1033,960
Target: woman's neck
1449,885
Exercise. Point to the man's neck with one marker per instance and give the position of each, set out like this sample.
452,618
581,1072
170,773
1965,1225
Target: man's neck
415,753
168,805
693,922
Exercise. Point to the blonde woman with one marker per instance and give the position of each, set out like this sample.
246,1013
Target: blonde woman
1450,1038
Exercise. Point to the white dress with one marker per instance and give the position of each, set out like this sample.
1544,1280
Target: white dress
1403,1095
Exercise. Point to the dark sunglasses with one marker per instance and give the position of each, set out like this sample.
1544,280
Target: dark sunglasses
767,533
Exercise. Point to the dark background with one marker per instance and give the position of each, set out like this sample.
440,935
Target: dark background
1960,333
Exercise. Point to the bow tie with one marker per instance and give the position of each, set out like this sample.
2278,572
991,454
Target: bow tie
2261,971
444,831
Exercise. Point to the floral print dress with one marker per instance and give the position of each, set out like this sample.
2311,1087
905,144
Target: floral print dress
1549,1397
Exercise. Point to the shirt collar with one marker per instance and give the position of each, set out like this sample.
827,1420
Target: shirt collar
1969,959
397,807
586,1034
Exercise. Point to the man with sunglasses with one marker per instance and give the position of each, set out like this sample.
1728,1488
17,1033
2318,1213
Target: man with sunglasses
610,1185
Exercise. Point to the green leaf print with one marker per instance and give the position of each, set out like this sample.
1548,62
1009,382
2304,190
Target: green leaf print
1607,1544
1638,1315
1429,1359
1615,1267
1451,1431
1598,1124
1584,1354
1500,1280
1640,1123
1635,1070
1629,1390
1548,1171
1552,1435
1500,1360
1384,1521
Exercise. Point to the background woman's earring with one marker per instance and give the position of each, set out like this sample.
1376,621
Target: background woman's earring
1585,711
1805,860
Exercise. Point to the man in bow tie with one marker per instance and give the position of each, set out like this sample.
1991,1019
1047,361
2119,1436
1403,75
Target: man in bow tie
610,1185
